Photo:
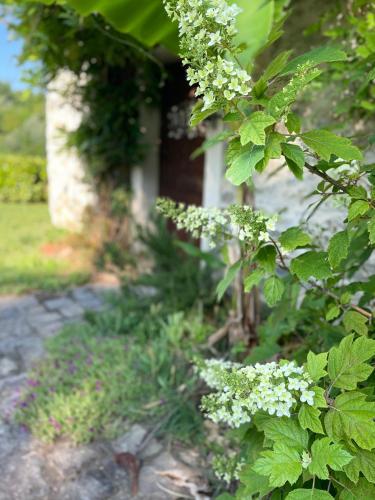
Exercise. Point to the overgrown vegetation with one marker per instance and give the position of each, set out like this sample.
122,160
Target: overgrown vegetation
115,77
93,384
321,289
23,179
22,123
131,363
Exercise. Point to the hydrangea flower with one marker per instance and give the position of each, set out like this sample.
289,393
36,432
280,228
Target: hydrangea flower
207,29
243,391
214,224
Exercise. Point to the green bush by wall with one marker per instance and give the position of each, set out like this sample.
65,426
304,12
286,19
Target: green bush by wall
22,179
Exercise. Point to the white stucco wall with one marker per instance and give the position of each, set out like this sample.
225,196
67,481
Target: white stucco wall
70,192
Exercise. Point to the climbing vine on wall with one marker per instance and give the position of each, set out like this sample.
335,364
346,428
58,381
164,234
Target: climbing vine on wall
115,77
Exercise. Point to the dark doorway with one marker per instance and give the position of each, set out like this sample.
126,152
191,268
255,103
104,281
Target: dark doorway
180,177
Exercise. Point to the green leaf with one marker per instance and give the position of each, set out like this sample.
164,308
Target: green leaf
286,430
280,102
253,279
294,238
324,454
266,257
293,123
294,153
355,322
308,417
210,142
234,149
303,494
352,418
363,462
254,25
338,248
273,147
333,312
198,115
228,279
281,465
276,65
361,491
371,230
145,20
254,483
319,398
253,129
273,290
326,143
346,362
357,209
316,56
295,159
243,165
311,264
315,365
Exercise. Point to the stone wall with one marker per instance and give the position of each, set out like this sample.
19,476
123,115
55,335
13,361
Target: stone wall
70,192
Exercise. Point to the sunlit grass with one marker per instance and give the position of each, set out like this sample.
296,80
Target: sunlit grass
24,230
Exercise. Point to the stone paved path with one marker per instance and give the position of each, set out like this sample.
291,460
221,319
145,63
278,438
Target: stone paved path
30,470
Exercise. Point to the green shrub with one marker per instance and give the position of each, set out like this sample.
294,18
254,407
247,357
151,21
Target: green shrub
22,179
92,383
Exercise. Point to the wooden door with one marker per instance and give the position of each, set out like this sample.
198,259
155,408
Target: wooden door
180,177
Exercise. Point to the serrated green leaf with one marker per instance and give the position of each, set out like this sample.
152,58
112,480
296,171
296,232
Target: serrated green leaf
311,264
352,418
281,465
254,483
243,165
253,129
357,209
325,454
303,494
224,284
346,362
266,257
253,279
308,417
315,365
294,238
371,230
286,430
315,56
198,115
355,322
338,248
319,397
293,123
326,143
333,312
234,149
273,290
363,462
361,491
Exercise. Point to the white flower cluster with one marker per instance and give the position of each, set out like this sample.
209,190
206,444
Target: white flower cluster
228,467
251,225
206,29
242,391
236,221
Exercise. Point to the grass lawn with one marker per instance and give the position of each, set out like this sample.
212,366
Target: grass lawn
33,255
